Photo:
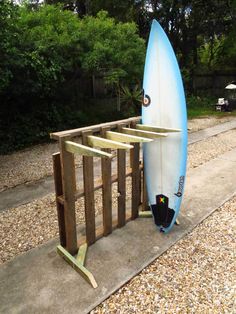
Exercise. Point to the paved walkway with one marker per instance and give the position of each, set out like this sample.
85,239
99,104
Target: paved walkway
26,193
39,281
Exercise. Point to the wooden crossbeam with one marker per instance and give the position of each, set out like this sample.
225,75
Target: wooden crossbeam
126,138
151,135
84,272
158,129
76,148
106,143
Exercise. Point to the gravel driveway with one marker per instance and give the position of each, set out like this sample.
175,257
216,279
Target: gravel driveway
196,275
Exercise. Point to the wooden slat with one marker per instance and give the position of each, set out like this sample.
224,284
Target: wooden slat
126,138
88,174
106,143
59,191
135,179
145,214
121,172
93,128
87,275
84,150
100,230
81,256
106,191
69,188
145,197
97,185
156,128
151,135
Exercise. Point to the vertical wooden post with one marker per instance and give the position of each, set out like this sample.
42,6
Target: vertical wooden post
106,190
88,174
121,172
59,192
135,178
145,206
69,188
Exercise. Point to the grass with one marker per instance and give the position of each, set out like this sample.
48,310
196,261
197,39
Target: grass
198,107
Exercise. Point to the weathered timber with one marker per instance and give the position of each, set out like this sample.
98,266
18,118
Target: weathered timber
121,171
81,256
145,214
106,191
100,230
126,138
106,143
93,128
88,175
87,275
151,135
136,180
97,185
144,194
69,188
157,129
84,150
177,223
59,191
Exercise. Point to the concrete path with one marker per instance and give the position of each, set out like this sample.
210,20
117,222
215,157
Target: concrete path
41,282
26,193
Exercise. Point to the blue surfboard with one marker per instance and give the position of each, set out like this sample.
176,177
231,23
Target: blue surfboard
164,109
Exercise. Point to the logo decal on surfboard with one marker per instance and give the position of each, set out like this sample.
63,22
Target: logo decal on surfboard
146,100
181,186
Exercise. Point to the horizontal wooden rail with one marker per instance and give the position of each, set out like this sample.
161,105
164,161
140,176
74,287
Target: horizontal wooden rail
151,135
100,229
156,129
98,185
93,128
84,150
101,142
126,138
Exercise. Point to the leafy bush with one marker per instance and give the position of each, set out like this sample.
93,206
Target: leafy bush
44,51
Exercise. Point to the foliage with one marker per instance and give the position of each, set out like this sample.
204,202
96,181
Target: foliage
111,48
47,48
131,99
198,106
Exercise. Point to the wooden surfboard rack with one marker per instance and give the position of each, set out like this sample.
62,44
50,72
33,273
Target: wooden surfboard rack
113,140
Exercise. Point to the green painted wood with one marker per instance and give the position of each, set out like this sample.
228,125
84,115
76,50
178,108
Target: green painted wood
84,272
81,256
106,143
148,134
126,138
84,150
157,129
145,214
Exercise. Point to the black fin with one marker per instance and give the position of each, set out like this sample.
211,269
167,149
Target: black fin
163,215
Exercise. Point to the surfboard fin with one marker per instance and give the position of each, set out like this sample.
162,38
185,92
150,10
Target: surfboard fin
163,215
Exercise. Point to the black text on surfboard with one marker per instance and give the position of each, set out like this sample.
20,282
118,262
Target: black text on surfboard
181,186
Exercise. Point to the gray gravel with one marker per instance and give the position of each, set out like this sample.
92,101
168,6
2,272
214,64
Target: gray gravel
196,275
17,234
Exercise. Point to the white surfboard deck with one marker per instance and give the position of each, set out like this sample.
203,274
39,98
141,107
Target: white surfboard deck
164,106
